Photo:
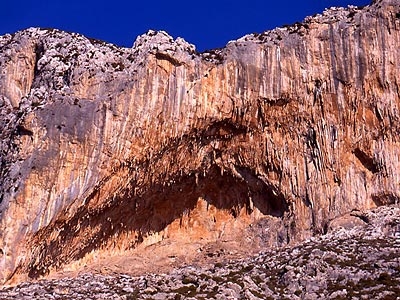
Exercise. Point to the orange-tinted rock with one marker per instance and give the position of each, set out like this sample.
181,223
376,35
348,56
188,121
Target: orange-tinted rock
107,148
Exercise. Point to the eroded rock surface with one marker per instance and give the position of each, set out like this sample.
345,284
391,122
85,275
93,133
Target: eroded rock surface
104,149
327,267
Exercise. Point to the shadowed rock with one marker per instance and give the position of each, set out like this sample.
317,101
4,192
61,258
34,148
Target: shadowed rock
106,148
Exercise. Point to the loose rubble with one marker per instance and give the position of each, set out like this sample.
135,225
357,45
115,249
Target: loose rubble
358,263
106,149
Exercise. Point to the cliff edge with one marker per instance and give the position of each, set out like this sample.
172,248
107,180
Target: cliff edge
106,149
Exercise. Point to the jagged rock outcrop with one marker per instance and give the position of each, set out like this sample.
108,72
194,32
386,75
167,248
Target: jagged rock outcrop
106,148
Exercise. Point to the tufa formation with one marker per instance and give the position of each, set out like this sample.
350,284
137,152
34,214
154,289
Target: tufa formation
104,150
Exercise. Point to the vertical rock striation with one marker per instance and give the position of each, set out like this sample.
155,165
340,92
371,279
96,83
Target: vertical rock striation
105,147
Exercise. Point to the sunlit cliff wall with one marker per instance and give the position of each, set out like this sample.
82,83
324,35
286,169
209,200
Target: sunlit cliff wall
105,147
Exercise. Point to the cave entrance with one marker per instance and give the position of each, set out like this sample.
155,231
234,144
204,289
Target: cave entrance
161,205
131,220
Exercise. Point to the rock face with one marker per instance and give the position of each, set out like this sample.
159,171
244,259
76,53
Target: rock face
104,149
326,267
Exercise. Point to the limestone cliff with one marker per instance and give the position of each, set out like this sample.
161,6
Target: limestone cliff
103,148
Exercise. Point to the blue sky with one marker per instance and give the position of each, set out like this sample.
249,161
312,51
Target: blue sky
207,24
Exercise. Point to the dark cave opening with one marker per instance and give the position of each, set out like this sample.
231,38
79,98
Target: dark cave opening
162,204
158,207
368,162
385,198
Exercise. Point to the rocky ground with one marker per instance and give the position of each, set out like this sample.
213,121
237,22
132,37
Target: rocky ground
106,149
359,258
